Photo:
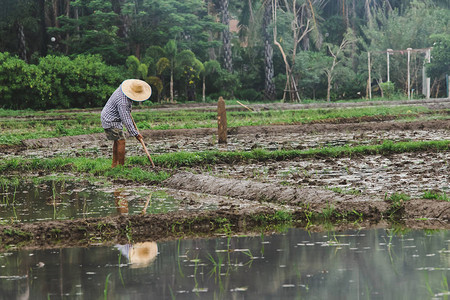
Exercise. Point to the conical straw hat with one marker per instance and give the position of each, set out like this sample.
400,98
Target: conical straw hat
137,90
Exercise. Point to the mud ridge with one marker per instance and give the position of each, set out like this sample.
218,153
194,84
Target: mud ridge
128,228
257,191
312,199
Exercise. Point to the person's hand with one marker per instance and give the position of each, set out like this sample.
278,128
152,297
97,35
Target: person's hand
139,137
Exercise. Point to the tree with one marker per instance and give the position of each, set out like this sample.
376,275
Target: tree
300,28
95,31
269,85
171,52
440,63
19,28
208,68
396,31
337,53
310,66
226,36
188,68
187,22
136,68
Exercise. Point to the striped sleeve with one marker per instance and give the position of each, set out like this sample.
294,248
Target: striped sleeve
124,108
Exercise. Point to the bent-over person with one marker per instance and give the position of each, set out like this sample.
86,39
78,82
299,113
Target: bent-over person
117,113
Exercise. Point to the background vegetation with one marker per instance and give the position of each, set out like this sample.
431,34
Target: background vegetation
74,53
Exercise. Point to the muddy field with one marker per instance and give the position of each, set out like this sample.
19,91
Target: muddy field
355,191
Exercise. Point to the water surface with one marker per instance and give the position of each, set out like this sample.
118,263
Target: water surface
25,201
366,264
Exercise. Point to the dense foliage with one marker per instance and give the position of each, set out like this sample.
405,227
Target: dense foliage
73,53
56,81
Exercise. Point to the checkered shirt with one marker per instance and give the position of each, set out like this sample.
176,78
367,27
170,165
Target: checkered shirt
117,111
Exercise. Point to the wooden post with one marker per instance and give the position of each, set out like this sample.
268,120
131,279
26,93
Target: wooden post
222,121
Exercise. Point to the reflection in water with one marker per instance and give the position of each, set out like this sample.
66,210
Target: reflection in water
121,201
367,264
140,254
27,202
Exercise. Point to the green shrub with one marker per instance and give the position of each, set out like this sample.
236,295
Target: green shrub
21,84
248,94
56,82
85,81
388,89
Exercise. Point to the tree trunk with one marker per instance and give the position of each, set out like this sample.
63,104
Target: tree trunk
171,85
68,16
55,13
226,36
211,51
22,42
329,79
138,50
345,13
43,41
76,16
297,28
204,89
353,24
269,85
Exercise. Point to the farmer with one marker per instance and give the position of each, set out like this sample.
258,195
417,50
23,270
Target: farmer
117,113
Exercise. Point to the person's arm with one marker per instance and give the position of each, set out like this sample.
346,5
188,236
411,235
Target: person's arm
125,116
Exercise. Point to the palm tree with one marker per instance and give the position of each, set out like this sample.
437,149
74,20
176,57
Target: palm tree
269,85
171,52
208,68
226,36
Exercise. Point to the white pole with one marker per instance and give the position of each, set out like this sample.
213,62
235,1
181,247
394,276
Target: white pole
369,83
409,75
428,57
387,58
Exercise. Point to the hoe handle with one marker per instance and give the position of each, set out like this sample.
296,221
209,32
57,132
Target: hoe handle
146,151
143,144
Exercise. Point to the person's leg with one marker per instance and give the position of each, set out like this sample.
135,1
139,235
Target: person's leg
120,152
118,136
115,154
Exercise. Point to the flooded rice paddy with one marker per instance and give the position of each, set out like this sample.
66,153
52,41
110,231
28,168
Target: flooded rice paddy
173,262
296,264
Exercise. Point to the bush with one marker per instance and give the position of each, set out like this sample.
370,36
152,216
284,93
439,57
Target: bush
85,81
56,82
21,85
388,89
248,94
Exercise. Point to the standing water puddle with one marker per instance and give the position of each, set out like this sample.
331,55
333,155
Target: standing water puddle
366,264
59,200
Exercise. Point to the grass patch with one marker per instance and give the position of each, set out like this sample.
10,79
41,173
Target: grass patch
435,195
188,159
397,201
102,166
94,167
